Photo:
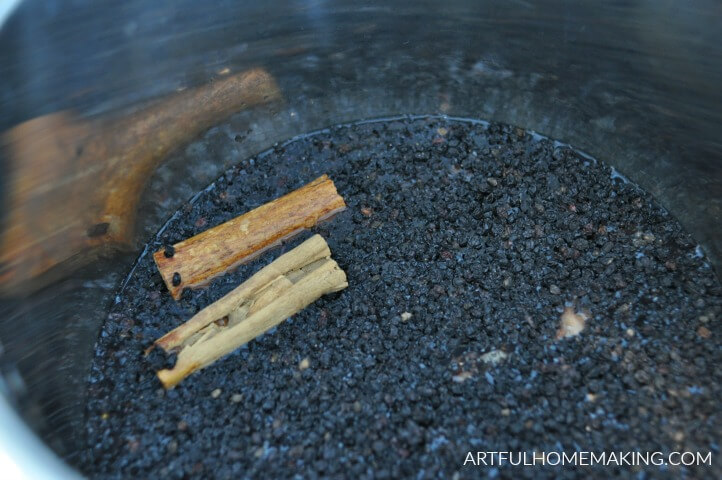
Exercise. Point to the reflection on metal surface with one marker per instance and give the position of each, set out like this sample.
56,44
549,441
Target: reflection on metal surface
23,456
74,185
6,8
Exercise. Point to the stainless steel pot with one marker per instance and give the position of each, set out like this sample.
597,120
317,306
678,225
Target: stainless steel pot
633,83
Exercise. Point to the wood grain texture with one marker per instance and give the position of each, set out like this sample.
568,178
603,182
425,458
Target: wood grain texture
74,184
199,259
279,290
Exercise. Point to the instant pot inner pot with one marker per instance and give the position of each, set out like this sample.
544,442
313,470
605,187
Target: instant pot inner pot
96,88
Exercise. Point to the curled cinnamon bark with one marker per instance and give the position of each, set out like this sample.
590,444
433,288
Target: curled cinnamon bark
197,260
279,290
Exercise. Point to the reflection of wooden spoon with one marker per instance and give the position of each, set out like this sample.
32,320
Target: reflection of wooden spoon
73,185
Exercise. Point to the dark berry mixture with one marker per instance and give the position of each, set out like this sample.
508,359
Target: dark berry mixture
462,243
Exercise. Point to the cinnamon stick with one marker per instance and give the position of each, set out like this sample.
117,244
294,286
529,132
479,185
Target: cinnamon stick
279,290
197,260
